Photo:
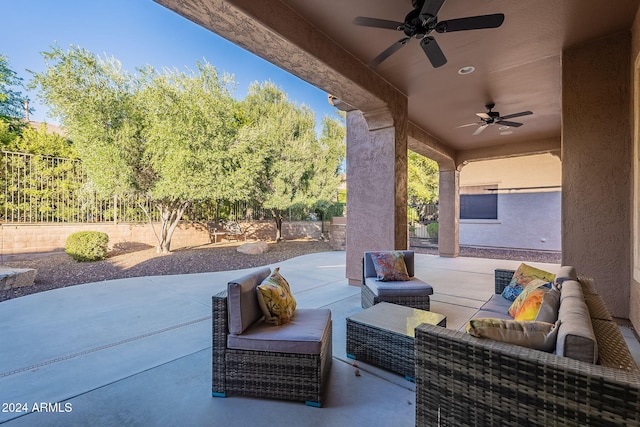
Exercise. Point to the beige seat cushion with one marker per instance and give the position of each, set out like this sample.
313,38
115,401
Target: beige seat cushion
304,334
413,287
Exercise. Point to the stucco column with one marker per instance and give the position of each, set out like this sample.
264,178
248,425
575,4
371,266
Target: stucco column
376,185
449,214
596,165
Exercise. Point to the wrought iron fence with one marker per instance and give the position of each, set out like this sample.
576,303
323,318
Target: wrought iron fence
423,213
245,211
419,217
39,188
36,189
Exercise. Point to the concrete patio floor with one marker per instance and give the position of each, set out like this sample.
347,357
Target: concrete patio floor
137,352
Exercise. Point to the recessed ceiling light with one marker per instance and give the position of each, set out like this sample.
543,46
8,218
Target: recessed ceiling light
467,69
503,128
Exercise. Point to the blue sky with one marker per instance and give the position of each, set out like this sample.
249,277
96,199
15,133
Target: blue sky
136,32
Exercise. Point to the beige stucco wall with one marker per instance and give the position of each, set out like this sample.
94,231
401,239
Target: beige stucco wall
20,239
377,188
542,170
529,200
597,166
634,304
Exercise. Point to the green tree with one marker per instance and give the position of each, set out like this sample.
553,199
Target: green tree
7,137
327,166
422,179
12,100
40,141
282,156
159,135
48,178
188,128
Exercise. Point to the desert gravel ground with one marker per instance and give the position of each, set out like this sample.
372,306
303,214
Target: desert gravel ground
58,270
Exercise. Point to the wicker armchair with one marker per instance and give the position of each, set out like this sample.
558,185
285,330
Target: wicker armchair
467,381
414,293
268,374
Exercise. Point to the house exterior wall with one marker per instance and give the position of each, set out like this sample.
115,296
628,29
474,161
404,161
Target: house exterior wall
525,221
529,203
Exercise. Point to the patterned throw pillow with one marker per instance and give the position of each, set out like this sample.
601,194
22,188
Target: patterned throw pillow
536,335
276,301
542,305
390,266
528,302
523,275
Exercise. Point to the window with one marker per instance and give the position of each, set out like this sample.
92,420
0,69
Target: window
479,202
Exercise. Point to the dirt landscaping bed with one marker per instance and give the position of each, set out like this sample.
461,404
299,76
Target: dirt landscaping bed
59,270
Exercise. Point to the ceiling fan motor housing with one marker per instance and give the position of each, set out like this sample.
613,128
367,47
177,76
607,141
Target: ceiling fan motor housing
414,26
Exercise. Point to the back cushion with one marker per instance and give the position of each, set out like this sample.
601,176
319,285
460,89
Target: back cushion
370,270
576,338
243,301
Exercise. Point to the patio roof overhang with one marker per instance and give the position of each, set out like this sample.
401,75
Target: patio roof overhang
571,62
517,66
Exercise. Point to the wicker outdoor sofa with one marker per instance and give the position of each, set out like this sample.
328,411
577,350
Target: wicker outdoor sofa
466,381
251,358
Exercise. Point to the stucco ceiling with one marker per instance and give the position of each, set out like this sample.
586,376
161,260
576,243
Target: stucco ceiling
517,66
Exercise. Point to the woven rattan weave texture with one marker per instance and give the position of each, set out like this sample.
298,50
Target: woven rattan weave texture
288,376
466,381
368,299
383,336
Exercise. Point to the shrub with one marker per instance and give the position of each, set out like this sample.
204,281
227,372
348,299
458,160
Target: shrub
432,230
87,245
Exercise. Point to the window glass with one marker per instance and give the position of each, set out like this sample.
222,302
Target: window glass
479,202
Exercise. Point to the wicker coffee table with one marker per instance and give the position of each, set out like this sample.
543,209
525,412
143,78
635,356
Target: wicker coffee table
383,335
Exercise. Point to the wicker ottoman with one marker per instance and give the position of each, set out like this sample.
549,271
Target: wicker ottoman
383,335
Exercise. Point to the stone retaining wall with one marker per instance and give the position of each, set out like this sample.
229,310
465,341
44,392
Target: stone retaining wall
18,239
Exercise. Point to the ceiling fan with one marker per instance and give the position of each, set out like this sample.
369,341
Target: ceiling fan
420,22
493,117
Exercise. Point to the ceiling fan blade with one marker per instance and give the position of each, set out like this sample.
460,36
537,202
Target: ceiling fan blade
433,51
510,124
388,52
513,116
431,9
377,23
470,23
470,124
483,115
480,129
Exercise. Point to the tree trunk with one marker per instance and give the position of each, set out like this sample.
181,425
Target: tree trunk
170,215
278,219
